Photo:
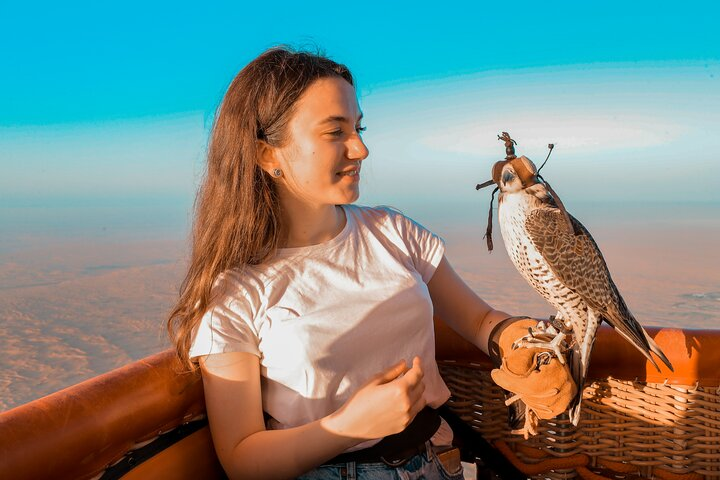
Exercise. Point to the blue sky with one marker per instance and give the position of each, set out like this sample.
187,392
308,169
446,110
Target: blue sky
107,102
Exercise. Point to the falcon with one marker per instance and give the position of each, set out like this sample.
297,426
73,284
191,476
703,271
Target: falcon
558,257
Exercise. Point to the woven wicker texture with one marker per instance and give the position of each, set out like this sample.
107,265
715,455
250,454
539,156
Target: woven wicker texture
628,429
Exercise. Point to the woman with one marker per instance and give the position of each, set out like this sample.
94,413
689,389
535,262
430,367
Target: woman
311,318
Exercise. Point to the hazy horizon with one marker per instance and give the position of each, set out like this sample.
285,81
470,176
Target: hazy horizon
84,294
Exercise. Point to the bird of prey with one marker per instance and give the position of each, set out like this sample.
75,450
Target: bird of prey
558,257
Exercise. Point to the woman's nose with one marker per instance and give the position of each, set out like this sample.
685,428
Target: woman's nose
357,149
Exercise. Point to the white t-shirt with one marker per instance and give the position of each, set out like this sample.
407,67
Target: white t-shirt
326,318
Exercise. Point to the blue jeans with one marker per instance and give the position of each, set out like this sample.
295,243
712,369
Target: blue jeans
424,466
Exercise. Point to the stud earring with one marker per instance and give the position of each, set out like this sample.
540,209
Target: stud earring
276,172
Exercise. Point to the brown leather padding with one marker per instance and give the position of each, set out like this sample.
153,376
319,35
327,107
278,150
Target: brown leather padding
695,355
75,433
449,345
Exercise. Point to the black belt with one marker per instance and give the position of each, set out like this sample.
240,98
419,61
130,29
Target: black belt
396,449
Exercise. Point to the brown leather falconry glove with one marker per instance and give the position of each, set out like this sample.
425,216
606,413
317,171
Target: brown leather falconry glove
534,375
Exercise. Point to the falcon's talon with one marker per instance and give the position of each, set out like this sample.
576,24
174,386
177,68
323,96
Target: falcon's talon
555,344
543,358
547,328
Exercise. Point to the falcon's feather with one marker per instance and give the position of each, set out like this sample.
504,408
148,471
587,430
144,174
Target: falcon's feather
577,261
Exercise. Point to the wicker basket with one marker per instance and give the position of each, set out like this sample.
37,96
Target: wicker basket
628,429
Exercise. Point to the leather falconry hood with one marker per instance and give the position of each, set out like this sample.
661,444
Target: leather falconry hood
522,165
529,175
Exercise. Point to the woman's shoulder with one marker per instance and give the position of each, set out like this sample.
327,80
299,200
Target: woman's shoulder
388,222
238,282
386,216
377,214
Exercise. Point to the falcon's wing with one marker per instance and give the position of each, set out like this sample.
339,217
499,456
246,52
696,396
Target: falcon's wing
576,260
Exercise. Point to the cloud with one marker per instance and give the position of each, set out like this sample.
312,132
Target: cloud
582,109
573,131
612,124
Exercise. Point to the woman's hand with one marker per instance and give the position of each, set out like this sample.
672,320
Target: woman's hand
532,373
383,406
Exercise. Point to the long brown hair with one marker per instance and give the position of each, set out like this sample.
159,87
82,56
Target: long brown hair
237,213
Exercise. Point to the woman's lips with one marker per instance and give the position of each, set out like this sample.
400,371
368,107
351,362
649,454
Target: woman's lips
349,173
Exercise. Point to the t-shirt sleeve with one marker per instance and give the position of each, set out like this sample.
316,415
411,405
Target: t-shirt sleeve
425,248
226,326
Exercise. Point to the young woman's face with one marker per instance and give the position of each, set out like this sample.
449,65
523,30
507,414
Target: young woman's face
321,161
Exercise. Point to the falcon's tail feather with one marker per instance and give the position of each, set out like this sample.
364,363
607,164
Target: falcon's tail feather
622,320
656,350
646,349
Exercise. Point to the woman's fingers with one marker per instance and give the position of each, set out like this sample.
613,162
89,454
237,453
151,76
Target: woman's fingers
417,364
390,374
417,389
415,385
410,381
416,399
415,374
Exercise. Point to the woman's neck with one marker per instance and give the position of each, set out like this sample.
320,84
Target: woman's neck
307,225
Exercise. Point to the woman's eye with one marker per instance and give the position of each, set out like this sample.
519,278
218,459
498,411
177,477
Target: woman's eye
340,132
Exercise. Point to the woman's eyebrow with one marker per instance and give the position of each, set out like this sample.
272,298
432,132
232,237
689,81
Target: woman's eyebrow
339,118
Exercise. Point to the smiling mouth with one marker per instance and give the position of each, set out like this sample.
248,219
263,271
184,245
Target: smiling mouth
349,173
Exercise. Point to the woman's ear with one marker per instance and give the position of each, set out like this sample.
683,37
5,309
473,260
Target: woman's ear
267,157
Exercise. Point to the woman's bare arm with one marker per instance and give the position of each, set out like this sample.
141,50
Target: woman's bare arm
461,308
384,406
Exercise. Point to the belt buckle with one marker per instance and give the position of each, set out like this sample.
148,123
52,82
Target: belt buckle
395,463
407,456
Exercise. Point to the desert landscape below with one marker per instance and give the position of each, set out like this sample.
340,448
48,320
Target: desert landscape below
77,302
